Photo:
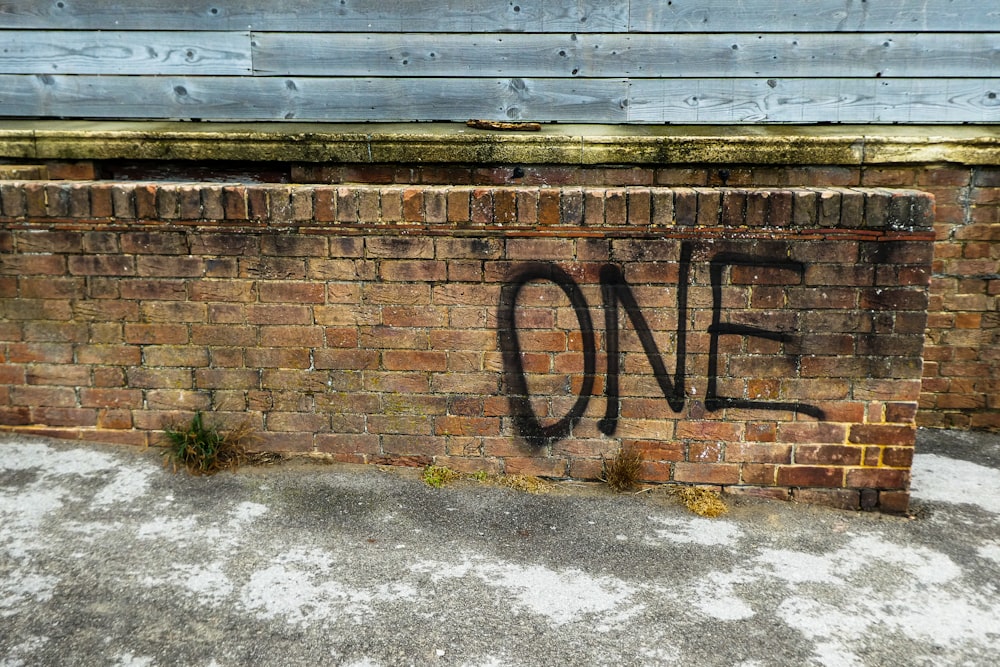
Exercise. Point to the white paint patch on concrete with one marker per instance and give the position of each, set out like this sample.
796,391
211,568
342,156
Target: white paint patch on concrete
56,462
796,567
129,660
706,532
181,530
246,512
828,627
990,551
127,486
19,655
22,586
660,655
940,479
207,583
562,596
488,661
296,596
716,596
928,600
921,564
300,590
23,513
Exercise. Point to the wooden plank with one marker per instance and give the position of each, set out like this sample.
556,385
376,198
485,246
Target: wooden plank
676,16
814,100
337,99
946,55
321,15
590,100
117,52
719,16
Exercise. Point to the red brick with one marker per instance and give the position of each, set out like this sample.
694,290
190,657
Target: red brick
413,205
55,416
453,425
342,443
406,360
291,292
878,478
894,502
482,206
740,452
877,434
828,455
413,271
458,205
706,473
535,466
291,336
13,200
846,499
810,476
708,430
527,205
504,206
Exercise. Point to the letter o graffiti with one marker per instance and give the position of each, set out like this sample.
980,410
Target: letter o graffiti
525,420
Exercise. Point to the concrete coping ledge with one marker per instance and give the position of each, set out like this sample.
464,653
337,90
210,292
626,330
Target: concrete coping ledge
568,144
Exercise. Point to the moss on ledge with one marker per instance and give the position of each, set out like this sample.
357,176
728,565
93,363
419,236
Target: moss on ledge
454,142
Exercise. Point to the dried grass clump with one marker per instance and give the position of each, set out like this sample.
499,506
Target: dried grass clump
438,476
703,502
204,449
525,483
622,472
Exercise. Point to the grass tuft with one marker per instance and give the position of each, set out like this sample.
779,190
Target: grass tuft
204,449
438,476
622,472
703,502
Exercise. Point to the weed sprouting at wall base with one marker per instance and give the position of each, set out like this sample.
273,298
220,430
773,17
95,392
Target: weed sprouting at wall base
204,449
622,472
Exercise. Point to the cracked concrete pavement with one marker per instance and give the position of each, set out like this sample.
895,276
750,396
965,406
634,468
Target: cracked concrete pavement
108,558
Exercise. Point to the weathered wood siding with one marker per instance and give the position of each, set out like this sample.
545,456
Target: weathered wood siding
603,61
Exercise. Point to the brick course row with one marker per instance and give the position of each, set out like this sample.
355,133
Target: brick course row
847,208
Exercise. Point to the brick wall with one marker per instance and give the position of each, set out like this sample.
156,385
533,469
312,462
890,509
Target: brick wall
961,388
763,340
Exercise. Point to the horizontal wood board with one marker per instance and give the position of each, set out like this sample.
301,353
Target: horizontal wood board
336,99
676,16
948,55
569,100
125,52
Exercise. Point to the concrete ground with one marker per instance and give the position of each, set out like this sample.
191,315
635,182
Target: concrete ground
106,558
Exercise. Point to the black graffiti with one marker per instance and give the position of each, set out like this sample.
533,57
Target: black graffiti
617,295
712,399
525,420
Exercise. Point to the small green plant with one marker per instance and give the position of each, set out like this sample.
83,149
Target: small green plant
622,472
438,476
480,476
204,449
